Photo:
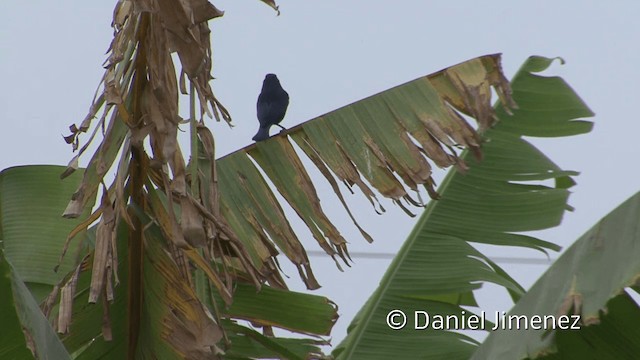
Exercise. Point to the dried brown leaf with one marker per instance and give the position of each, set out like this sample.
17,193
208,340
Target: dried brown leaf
107,331
203,11
192,224
341,165
272,4
101,258
167,222
66,302
178,169
315,158
112,93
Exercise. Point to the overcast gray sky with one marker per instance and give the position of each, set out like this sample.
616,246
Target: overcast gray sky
330,53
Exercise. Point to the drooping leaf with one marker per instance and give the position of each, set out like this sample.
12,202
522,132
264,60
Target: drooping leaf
23,325
272,4
589,281
614,337
249,344
299,312
437,269
86,336
386,140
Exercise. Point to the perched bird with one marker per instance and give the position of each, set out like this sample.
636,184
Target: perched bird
272,105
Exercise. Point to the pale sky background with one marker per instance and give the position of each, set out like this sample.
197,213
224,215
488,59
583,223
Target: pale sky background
331,53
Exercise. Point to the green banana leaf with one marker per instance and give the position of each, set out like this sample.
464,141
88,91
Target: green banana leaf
437,269
592,282
23,325
32,234
387,142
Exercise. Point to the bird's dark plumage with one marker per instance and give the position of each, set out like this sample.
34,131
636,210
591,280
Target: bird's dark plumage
272,105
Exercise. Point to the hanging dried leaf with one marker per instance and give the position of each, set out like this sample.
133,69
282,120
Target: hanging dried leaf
139,103
272,4
66,302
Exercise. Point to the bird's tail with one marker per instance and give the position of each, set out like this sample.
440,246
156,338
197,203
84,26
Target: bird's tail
263,134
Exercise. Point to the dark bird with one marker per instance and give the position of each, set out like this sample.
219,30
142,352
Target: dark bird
272,105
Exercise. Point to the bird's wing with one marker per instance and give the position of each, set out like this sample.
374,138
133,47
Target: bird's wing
264,112
279,107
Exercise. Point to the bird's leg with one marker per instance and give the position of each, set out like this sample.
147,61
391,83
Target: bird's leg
281,127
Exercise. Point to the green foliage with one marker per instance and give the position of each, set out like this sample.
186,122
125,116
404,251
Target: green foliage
588,280
437,269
